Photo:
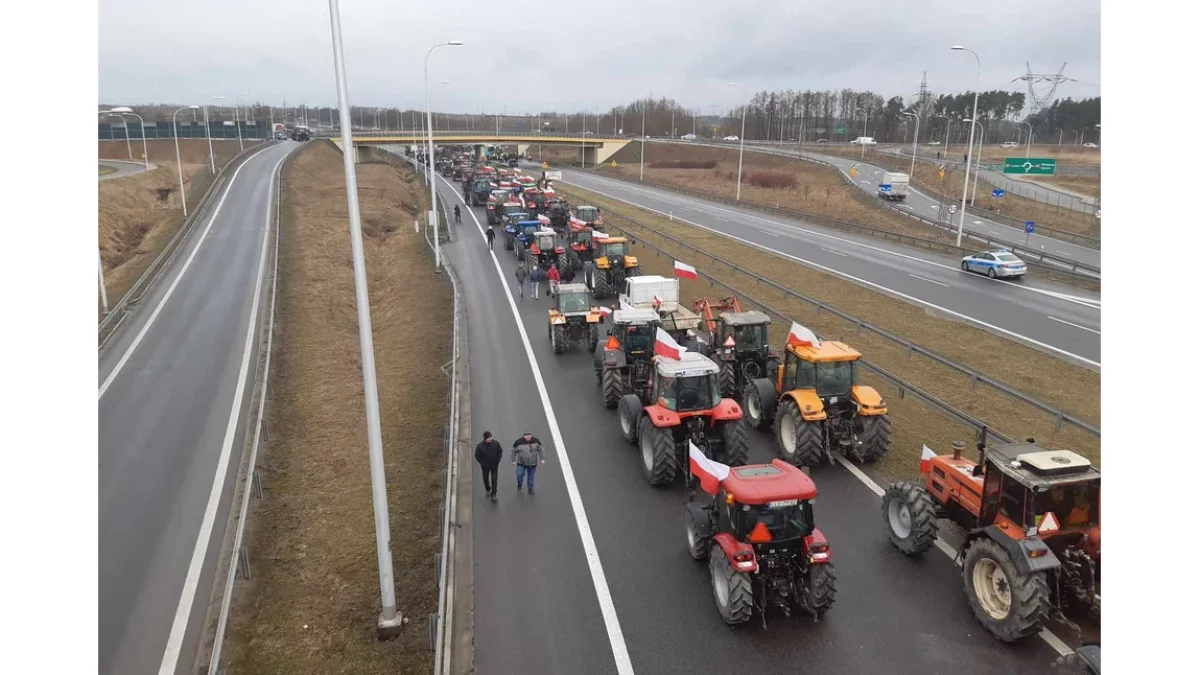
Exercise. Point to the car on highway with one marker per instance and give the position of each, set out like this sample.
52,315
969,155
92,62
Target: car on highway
688,137
1090,145
995,263
863,140
1010,144
934,143
730,138
822,140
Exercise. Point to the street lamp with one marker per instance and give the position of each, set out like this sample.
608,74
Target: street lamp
1059,135
208,133
125,110
128,145
863,142
236,105
496,98
741,139
642,169
178,163
1028,141
971,141
437,246
947,118
913,167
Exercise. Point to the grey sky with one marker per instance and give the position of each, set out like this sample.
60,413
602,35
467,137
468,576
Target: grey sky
573,55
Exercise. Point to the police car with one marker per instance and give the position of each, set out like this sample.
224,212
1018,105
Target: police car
995,263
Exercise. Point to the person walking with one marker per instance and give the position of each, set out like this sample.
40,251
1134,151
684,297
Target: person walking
554,277
457,215
527,455
535,279
489,453
522,274
491,236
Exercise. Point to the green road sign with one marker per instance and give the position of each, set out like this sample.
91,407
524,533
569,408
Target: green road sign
1032,166
841,130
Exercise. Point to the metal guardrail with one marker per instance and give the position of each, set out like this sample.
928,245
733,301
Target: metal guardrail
1060,415
532,135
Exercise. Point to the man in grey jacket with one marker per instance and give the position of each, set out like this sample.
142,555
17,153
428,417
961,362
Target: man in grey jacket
527,455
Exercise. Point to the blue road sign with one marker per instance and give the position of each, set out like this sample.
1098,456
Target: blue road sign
885,188
997,193
1029,227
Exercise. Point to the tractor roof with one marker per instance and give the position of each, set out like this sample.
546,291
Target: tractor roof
572,288
690,364
1034,466
758,484
613,240
545,232
536,223
829,351
747,318
638,316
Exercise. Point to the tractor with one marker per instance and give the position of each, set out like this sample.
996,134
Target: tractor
590,216
623,361
573,318
1032,523
534,200
579,243
611,263
757,531
740,341
523,235
546,252
662,295
498,204
559,212
681,404
481,189
817,406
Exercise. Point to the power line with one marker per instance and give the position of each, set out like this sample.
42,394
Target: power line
1033,80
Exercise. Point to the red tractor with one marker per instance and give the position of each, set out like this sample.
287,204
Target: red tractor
755,526
581,247
1031,518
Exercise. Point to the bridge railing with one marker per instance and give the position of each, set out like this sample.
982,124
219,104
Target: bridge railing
484,134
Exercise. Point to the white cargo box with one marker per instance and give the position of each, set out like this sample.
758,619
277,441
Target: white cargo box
642,291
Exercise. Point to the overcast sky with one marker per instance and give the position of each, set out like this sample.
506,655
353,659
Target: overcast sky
583,55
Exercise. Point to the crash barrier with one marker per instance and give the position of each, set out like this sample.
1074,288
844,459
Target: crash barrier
1060,416
1071,275
216,129
128,302
485,134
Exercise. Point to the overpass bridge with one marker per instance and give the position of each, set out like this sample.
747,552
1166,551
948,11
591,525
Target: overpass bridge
595,148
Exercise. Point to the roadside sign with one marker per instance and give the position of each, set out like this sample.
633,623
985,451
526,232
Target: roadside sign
853,170
1097,213
953,209
1032,166
841,129
553,175
1029,227
614,164
545,166
998,193
942,173
885,188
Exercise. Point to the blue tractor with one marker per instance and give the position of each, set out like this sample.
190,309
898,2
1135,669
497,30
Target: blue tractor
526,230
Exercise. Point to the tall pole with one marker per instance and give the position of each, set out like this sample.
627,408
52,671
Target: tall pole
178,163
962,210
642,170
103,288
390,619
437,244
1059,135
672,122
128,143
142,126
741,139
212,160
913,167
237,122
583,143
1029,140
864,143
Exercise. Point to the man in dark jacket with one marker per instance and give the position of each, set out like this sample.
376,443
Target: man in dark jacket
489,453
527,455
491,236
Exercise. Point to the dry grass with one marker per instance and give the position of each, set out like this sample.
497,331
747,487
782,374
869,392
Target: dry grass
104,169
1086,185
1076,389
1065,154
312,604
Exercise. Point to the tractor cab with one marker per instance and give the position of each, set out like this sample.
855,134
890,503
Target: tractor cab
687,385
573,299
512,221
544,246
624,358
824,375
610,249
590,215
771,504
574,319
743,332
580,240
633,332
526,231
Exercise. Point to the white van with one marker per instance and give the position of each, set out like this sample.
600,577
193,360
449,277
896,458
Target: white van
863,140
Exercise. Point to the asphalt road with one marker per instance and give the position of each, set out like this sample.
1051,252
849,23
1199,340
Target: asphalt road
172,415
123,168
1061,320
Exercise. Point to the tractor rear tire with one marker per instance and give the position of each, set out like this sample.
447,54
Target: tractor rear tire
657,446
734,442
558,339
758,400
633,272
508,244
629,411
573,260
600,286
1010,605
727,378
876,437
618,279
732,590
613,385
697,546
800,443
593,337
910,517
822,587
563,265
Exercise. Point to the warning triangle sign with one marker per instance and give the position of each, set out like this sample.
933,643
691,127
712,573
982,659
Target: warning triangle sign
1049,523
729,341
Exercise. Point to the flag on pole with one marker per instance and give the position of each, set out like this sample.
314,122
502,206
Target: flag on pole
665,345
657,302
605,311
710,472
684,271
927,456
802,337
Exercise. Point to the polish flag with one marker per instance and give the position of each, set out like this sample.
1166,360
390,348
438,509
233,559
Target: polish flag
605,311
543,220
665,345
657,302
597,234
576,221
1049,523
684,271
802,337
927,456
709,472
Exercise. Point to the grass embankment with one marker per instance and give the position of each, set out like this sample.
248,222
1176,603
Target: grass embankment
1084,185
913,424
134,224
313,601
105,170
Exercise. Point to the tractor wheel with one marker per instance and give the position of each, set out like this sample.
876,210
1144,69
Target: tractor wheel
876,436
600,286
734,442
728,379
697,545
618,279
563,265
558,339
910,516
1010,605
593,337
633,272
658,452
629,411
732,590
508,244
800,443
822,587
758,400
573,260
613,386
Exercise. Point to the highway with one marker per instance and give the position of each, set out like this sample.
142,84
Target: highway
174,388
1061,320
123,168
591,574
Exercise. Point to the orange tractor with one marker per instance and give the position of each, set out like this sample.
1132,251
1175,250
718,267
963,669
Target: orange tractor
1032,523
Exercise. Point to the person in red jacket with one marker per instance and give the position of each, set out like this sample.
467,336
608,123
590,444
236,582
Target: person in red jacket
554,277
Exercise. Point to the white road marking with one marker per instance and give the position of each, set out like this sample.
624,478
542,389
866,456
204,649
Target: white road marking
1092,330
930,280
608,610
844,255
905,206
1048,637
935,207
171,289
1063,253
862,281
771,233
188,596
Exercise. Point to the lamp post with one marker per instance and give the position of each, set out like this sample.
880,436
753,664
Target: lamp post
178,163
128,144
496,97
390,620
1028,141
125,110
437,246
962,213
947,118
642,169
1059,135
741,139
103,288
212,160
912,168
238,105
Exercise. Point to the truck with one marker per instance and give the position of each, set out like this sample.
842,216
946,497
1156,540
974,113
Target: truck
894,186
661,294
